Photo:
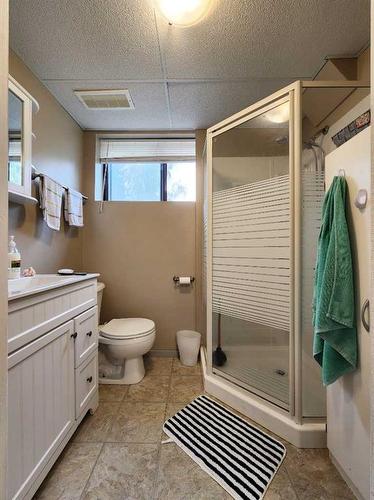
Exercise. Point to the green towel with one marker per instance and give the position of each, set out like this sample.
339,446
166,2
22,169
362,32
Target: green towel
335,338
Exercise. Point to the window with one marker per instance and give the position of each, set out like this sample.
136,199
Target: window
133,182
181,181
146,170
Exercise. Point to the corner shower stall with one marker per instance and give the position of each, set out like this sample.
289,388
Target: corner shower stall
264,187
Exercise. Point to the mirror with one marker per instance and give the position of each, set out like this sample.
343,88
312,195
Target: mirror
15,112
20,108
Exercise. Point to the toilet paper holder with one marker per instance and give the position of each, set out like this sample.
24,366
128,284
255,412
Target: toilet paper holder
177,280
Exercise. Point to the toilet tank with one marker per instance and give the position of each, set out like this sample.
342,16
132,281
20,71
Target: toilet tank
100,290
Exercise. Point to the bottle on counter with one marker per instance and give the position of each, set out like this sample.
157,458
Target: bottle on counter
14,260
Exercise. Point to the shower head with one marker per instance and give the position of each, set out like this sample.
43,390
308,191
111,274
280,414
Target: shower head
282,140
309,144
313,144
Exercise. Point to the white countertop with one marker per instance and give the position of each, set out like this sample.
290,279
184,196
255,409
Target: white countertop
23,287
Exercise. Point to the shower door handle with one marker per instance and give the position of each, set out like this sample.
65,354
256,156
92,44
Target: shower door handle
365,307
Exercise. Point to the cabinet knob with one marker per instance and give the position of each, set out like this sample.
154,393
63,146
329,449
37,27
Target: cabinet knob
89,334
74,335
89,379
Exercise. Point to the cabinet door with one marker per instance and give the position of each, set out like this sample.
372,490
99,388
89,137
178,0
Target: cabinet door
40,405
87,340
19,139
86,380
348,399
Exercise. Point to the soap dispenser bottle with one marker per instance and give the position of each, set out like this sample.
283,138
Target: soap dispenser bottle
14,260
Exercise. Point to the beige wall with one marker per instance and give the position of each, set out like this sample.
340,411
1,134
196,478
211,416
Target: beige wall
3,240
57,151
137,248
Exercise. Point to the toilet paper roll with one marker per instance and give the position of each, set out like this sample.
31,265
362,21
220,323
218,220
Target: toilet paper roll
184,280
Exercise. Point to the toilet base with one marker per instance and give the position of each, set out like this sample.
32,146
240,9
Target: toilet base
132,373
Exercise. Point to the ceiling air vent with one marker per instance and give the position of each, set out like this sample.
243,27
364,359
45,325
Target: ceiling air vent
105,99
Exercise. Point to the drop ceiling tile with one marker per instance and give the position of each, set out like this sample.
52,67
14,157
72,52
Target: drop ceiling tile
81,39
264,38
97,40
151,111
201,105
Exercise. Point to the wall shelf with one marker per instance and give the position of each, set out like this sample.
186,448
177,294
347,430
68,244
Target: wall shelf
21,199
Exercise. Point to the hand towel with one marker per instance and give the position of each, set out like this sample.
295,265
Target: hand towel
335,336
50,201
73,208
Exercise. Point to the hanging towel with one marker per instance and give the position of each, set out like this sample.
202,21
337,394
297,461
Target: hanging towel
335,338
73,208
50,201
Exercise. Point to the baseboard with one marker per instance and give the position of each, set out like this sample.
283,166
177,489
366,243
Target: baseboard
164,353
347,479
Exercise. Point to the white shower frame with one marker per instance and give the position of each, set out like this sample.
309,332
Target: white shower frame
290,425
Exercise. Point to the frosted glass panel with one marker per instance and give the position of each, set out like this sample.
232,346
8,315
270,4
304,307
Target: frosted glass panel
251,254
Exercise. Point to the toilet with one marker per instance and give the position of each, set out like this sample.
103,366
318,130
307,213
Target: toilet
123,343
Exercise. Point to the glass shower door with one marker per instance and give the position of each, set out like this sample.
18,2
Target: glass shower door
251,256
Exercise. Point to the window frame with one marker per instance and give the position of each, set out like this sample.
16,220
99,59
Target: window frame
100,189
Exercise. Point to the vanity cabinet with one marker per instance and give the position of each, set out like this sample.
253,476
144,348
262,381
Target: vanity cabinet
52,378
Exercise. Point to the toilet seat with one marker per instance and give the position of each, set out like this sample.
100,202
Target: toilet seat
127,328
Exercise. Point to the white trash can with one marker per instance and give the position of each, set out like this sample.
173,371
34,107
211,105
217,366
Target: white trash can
188,345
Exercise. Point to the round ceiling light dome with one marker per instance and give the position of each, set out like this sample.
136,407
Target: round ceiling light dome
279,114
183,12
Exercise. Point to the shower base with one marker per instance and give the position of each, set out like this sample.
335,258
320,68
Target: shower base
265,368
308,434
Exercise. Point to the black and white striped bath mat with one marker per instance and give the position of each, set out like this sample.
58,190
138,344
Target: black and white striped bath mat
240,457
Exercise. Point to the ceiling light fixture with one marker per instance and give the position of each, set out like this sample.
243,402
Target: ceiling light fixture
183,12
280,114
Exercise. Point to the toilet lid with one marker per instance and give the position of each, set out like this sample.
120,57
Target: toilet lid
127,328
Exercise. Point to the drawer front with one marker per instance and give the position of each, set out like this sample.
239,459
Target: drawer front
86,384
31,317
86,341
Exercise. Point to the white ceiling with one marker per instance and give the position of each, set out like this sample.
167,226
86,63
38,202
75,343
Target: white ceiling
180,78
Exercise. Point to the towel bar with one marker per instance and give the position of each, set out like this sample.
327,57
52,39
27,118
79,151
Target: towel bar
35,175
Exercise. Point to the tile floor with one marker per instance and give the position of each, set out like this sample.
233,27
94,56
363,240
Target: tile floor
116,454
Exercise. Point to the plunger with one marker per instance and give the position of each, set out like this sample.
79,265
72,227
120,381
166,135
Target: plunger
219,357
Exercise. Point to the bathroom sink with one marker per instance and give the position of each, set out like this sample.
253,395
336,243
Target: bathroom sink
37,283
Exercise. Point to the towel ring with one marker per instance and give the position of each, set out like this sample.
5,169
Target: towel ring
366,323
